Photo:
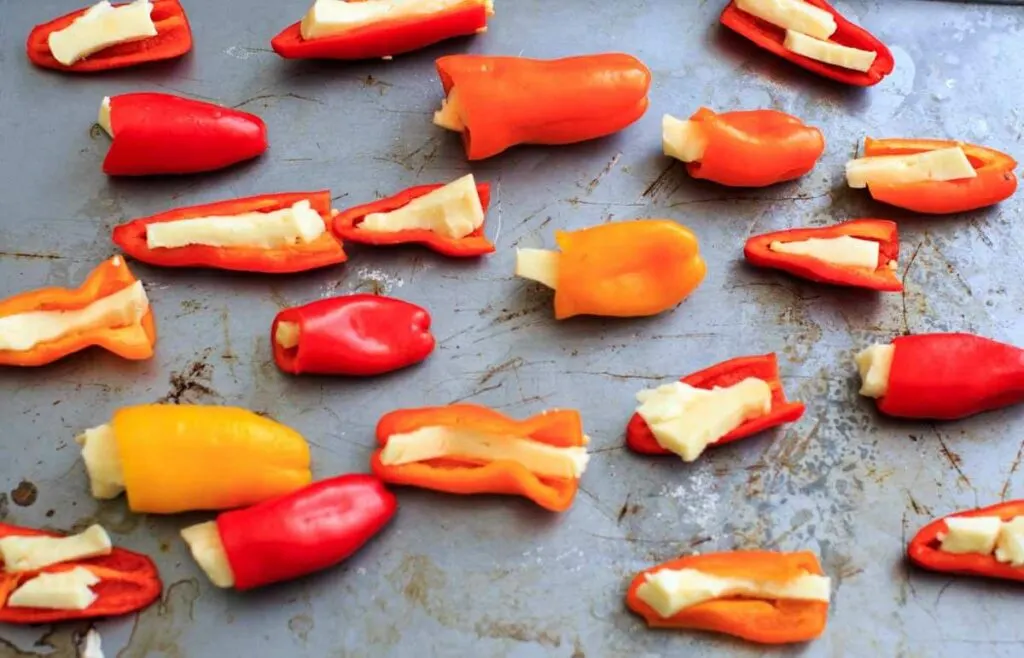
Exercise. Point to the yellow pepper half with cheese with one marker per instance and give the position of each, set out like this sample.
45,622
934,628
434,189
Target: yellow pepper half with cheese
170,458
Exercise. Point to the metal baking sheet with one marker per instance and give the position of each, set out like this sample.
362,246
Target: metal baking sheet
490,576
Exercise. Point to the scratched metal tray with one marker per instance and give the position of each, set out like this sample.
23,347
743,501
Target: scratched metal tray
490,576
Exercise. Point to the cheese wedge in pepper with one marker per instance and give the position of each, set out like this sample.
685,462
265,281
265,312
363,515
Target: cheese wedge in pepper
101,27
453,211
794,15
66,590
205,544
937,165
829,52
31,553
683,140
844,251
874,365
263,230
330,17
985,535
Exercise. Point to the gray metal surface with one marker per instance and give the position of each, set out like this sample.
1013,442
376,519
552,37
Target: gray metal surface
489,576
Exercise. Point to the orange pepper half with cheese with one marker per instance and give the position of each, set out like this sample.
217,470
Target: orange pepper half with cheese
170,458
620,269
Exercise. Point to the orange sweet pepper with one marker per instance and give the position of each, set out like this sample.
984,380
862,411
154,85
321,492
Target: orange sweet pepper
134,341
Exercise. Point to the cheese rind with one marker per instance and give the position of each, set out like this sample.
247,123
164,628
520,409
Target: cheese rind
329,17
936,165
23,331
449,116
686,420
1010,544
874,365
102,462
794,15
540,265
104,117
21,554
67,590
453,211
970,534
263,230
436,442
102,26
683,140
287,335
670,591
844,251
208,550
829,52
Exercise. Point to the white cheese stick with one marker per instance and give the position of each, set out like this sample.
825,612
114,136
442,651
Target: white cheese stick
32,553
287,335
67,590
683,140
845,251
874,365
263,230
453,211
540,265
976,534
329,17
795,15
829,52
102,26
938,165
208,550
1010,545
102,462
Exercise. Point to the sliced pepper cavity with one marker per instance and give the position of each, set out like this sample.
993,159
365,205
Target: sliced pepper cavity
165,36
812,35
746,148
761,596
333,29
620,269
861,253
1002,557
723,376
109,310
469,449
496,103
448,219
276,233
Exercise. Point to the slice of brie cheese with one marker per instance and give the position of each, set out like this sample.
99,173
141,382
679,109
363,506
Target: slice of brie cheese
540,265
686,420
32,553
263,230
670,591
1010,544
102,26
208,550
287,335
795,15
683,140
449,116
438,442
874,364
67,590
330,17
453,211
970,534
829,52
102,462
845,251
23,331
938,165
104,117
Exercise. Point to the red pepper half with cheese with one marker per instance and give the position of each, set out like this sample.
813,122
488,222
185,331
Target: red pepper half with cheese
275,234
155,134
448,219
110,310
496,103
354,335
933,176
813,35
104,36
766,597
941,376
306,531
749,148
987,542
468,449
335,29
727,402
861,253
47,578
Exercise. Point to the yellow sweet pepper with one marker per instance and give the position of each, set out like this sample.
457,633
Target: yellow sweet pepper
170,458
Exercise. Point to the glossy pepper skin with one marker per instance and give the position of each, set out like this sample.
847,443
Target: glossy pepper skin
562,428
129,583
347,226
952,376
755,148
179,458
639,437
924,549
508,101
173,39
995,182
306,531
165,134
882,277
771,38
388,37
354,335
781,621
325,251
134,342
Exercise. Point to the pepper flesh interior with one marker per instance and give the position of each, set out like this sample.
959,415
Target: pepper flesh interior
207,548
874,364
265,230
101,27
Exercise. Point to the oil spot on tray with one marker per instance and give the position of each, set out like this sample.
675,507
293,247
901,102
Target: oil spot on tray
419,580
157,630
300,626
190,385
25,494
519,632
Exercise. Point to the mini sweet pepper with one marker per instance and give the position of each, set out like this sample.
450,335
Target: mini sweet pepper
926,549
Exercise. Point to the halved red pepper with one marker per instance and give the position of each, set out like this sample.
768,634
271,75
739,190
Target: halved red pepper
173,39
325,250
388,37
346,225
882,277
165,134
995,182
129,582
924,549
639,437
355,335
771,37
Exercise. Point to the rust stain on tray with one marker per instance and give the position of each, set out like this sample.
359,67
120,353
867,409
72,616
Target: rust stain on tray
25,494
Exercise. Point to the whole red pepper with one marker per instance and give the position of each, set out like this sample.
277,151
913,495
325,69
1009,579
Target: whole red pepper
353,335
639,437
164,134
924,549
306,531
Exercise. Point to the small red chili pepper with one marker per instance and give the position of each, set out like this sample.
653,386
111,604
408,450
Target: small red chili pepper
881,277
356,335
346,226
924,549
129,582
771,38
164,134
639,437
173,39
325,250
